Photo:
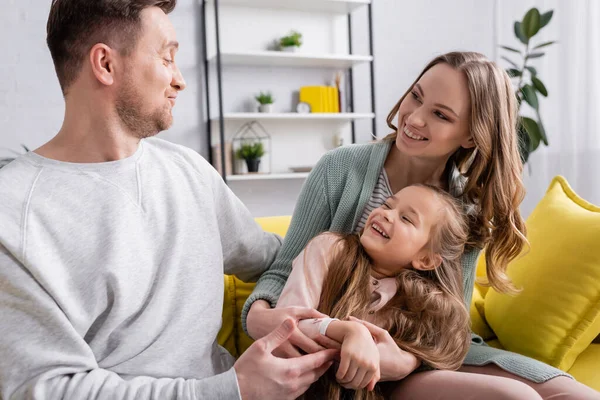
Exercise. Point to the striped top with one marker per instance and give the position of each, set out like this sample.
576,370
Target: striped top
381,193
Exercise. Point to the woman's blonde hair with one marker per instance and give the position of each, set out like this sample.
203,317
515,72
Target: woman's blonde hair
492,168
426,317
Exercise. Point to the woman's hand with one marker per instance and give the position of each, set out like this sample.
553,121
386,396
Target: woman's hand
262,319
395,363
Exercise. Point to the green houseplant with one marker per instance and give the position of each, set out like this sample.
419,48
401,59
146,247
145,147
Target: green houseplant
531,131
265,101
251,152
291,42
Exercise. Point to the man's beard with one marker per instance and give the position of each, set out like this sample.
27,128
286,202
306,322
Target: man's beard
129,109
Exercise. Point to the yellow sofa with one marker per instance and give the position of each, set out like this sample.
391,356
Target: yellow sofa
586,368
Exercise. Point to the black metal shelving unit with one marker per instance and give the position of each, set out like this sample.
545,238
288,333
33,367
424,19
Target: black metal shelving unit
219,76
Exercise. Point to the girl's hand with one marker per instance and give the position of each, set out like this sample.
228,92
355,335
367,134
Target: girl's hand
359,364
262,319
395,363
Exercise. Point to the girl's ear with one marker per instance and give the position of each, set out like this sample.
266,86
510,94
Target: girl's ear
427,262
468,143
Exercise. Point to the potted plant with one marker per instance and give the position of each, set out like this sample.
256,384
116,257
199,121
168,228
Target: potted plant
251,152
531,131
265,101
291,42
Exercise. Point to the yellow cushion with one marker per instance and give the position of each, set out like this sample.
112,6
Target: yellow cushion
277,225
557,315
232,336
586,368
226,336
481,274
478,324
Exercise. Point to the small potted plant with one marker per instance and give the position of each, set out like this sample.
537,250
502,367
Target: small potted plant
251,152
291,42
265,101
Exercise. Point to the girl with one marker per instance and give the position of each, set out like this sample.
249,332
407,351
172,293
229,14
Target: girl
403,273
455,128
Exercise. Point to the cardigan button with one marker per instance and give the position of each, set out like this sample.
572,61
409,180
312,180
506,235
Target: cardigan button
375,282
371,312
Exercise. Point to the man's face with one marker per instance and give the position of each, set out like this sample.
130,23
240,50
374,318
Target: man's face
150,82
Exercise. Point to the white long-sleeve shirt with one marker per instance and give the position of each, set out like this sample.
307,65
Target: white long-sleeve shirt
111,276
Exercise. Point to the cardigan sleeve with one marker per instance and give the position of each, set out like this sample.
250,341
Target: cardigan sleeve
469,263
311,217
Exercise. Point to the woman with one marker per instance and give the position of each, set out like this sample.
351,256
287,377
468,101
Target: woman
455,128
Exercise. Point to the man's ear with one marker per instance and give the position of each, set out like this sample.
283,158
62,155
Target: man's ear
427,262
102,62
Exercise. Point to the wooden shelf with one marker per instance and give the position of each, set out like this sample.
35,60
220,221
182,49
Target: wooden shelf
344,117
328,6
284,59
258,177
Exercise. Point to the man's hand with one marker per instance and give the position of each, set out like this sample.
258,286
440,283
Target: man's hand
261,375
359,364
395,363
263,319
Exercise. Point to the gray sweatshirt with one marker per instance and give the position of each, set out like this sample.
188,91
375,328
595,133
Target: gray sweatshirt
111,276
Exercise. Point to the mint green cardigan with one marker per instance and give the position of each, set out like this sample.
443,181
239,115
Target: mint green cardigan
332,199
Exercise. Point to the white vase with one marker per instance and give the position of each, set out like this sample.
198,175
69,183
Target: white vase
265,108
289,49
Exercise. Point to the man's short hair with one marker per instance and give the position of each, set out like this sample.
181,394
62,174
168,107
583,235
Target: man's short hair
75,26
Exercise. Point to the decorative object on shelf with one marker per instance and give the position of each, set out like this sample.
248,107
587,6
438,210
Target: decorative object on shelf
338,86
265,101
301,169
322,99
251,152
250,143
531,132
216,158
303,108
291,42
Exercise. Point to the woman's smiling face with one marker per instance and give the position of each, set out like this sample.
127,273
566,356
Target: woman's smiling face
433,119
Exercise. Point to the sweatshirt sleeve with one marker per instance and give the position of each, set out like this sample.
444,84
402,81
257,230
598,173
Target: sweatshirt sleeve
312,216
42,356
247,250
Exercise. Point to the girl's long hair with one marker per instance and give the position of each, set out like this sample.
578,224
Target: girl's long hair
493,167
426,317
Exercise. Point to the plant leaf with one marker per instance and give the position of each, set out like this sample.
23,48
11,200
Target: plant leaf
545,18
539,46
513,72
532,70
543,135
511,62
533,131
539,86
524,142
519,33
511,49
530,96
531,23
535,55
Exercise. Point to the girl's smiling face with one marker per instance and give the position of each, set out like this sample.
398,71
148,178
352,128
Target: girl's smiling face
397,234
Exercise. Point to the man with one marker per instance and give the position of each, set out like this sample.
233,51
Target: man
114,244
